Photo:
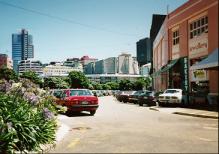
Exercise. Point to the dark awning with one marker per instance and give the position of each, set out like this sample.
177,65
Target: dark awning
209,62
166,68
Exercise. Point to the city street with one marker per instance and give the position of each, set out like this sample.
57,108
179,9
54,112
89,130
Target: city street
128,128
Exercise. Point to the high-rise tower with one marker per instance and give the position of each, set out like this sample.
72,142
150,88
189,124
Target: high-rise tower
22,47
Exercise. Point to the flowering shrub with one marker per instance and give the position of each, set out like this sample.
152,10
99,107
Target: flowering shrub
24,127
26,116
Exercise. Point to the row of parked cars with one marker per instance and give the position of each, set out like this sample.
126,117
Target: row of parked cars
138,97
169,96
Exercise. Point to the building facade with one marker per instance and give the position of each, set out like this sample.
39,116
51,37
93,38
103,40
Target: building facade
30,65
5,61
110,65
127,64
144,51
99,67
188,35
157,21
104,78
89,69
22,47
86,60
123,64
145,69
72,62
58,70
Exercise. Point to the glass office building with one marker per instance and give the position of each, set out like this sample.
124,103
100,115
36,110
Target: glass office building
22,47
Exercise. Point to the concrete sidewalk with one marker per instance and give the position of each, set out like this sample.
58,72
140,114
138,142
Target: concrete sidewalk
186,111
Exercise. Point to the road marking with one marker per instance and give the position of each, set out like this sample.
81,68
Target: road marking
74,143
206,139
210,128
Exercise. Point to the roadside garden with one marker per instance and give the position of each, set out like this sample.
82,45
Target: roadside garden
27,115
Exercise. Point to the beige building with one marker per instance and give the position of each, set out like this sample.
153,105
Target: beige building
59,70
127,64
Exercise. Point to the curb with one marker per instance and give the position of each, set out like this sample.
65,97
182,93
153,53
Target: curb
196,115
154,108
187,114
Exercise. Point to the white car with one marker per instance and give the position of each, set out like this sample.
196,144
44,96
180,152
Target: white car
171,96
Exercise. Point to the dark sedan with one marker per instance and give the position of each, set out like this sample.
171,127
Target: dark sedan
147,98
133,98
124,95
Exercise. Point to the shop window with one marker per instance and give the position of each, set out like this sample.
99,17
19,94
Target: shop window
176,37
200,87
198,27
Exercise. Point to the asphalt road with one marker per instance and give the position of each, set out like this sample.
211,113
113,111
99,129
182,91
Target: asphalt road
128,128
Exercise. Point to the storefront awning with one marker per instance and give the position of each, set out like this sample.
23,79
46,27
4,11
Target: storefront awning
209,62
166,68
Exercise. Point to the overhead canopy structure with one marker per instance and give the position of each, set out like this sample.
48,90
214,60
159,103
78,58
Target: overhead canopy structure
209,62
166,68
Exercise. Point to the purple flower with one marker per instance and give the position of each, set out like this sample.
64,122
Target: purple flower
47,114
34,100
30,97
5,86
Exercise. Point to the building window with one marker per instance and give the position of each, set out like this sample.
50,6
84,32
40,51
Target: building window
198,27
176,37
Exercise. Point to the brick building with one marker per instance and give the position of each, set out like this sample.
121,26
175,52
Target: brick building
5,61
188,38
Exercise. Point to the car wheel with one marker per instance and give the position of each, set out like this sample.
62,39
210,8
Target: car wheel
92,112
160,104
140,104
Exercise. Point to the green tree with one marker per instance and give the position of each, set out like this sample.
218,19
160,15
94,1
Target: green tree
113,85
78,80
148,82
139,84
8,74
97,86
31,75
125,85
106,87
56,83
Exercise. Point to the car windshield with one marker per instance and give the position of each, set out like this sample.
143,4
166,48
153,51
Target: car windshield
137,92
171,91
80,93
148,93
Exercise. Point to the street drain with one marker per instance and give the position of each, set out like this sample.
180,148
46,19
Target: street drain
81,128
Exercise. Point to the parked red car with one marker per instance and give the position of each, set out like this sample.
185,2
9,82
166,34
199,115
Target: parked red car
77,100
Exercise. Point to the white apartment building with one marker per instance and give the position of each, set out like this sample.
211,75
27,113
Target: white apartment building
59,70
30,65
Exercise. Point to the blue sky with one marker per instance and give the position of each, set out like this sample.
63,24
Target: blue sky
97,28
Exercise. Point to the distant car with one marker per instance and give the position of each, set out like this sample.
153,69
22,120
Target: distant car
148,98
123,96
171,96
77,100
133,98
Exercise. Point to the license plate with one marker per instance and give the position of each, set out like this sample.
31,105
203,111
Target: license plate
145,97
84,102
